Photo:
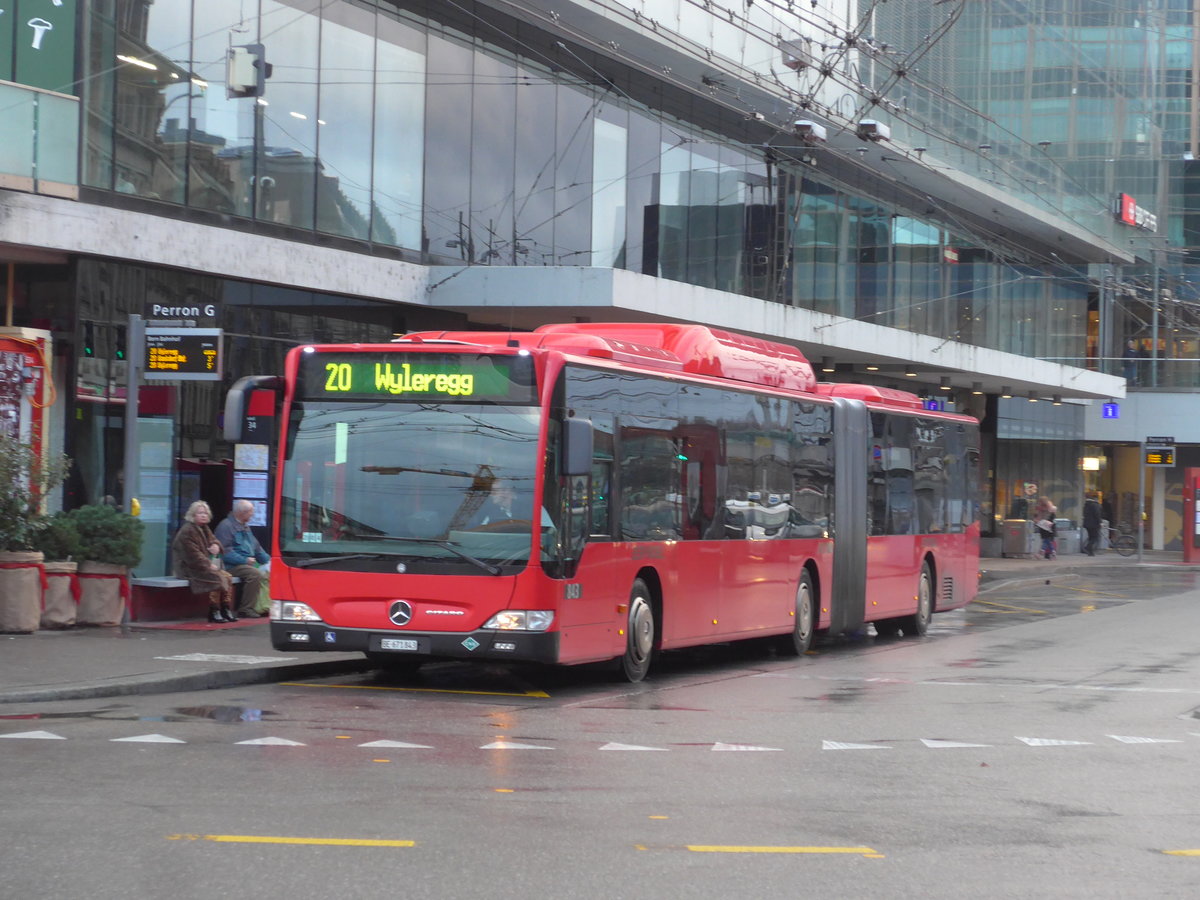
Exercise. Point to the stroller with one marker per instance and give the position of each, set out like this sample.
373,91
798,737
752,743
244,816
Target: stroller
1047,532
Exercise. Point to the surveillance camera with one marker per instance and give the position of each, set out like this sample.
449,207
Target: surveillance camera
809,132
756,117
872,130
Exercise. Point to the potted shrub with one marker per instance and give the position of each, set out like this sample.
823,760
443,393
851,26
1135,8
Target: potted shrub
25,480
110,545
60,545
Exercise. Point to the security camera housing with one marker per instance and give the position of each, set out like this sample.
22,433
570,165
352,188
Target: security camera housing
872,130
809,132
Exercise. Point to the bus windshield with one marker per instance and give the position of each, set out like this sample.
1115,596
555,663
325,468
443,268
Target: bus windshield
445,486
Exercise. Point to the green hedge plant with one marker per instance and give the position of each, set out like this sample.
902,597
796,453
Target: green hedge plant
25,480
108,535
59,540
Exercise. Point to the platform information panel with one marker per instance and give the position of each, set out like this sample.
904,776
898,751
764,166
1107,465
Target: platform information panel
183,354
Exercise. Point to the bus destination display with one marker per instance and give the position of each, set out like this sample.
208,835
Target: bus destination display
470,378
185,354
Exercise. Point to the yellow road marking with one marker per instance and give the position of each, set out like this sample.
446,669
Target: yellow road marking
541,695
1089,591
1006,608
265,839
1182,852
861,851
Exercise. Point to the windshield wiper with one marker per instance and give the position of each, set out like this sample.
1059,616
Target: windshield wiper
447,545
322,560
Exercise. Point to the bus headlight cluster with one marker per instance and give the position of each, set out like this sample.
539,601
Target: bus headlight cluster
520,620
291,611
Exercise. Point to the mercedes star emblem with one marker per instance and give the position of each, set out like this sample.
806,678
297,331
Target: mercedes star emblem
400,612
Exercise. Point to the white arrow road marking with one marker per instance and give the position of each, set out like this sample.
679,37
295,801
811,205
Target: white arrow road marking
939,745
839,745
35,736
1125,739
614,746
1049,742
512,745
274,742
399,745
149,739
720,746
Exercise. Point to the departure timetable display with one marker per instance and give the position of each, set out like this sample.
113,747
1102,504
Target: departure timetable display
188,354
471,378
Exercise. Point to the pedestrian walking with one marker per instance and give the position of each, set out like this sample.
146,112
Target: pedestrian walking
1043,520
1091,522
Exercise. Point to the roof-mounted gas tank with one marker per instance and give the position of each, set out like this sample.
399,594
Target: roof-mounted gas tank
704,351
872,395
695,349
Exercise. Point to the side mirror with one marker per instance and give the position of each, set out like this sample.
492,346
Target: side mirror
577,447
235,402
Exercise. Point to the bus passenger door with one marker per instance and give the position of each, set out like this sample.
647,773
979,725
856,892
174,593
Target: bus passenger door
588,603
851,427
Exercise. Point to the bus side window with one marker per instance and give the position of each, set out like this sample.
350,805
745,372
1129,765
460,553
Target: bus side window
602,471
601,493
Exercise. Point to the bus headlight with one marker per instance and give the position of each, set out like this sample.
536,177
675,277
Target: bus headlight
291,611
520,620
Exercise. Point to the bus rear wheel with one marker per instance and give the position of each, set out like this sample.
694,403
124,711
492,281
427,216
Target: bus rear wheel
800,640
917,624
634,663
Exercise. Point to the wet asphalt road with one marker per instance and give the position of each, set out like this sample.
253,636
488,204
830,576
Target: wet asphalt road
1042,742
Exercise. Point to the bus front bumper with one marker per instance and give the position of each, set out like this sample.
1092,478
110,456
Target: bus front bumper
524,646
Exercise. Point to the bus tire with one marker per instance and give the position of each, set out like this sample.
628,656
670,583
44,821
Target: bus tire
800,640
887,628
395,666
917,624
634,663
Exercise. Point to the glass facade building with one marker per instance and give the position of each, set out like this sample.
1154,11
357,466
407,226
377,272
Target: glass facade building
450,134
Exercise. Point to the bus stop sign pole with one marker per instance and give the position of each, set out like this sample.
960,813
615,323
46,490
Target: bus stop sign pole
135,341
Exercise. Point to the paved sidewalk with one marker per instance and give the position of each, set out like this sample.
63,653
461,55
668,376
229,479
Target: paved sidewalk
85,663
160,657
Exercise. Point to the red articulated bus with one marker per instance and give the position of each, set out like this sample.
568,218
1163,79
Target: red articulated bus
596,492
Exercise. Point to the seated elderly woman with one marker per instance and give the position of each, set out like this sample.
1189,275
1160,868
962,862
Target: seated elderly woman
197,557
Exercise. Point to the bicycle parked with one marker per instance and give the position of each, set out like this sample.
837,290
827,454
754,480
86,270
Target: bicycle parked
1123,542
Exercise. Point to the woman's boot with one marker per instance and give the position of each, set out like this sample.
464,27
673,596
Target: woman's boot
214,615
228,613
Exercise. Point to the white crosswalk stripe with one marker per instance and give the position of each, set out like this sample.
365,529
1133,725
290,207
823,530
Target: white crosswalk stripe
273,742
148,739
35,736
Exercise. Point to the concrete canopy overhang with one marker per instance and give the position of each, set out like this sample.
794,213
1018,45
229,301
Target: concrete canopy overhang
521,298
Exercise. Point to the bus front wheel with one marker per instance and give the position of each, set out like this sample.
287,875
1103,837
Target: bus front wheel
639,634
800,640
917,624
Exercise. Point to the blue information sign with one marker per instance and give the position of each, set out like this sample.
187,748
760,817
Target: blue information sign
1111,411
